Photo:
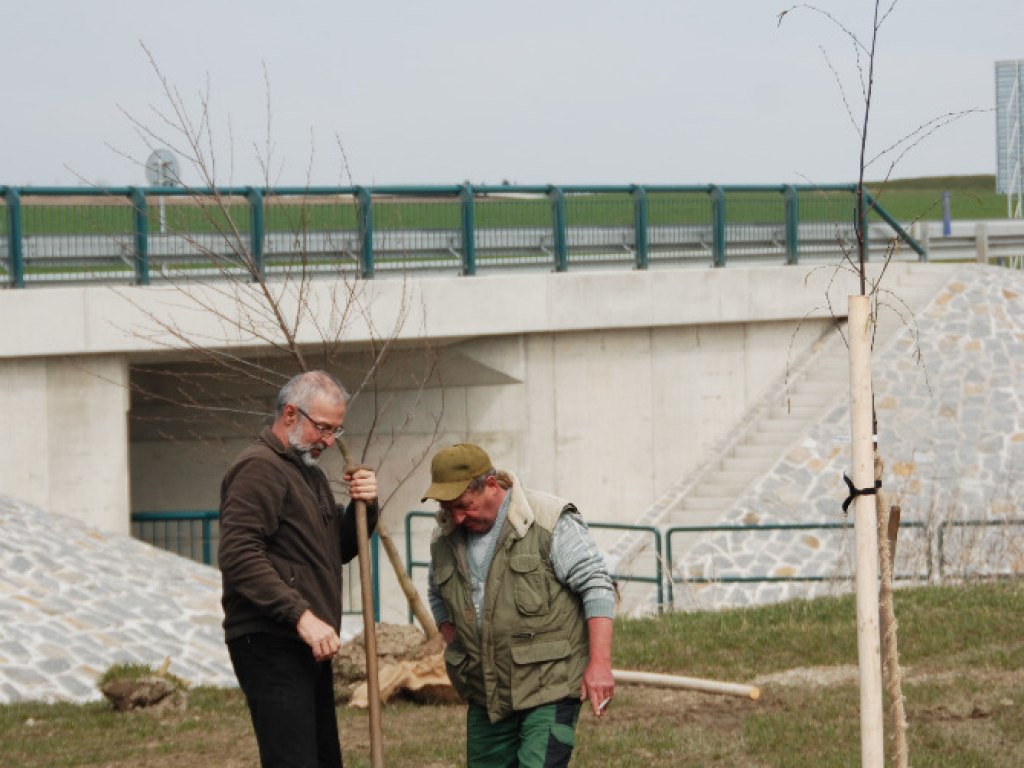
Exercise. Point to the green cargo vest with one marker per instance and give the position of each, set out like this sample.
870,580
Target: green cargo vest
532,647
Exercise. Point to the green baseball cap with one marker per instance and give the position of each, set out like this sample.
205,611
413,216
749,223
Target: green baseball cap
454,468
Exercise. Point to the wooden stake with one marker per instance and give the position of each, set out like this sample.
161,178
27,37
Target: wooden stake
369,627
892,533
369,636
866,533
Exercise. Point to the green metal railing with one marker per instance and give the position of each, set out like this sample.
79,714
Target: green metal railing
970,546
137,235
933,560
194,534
190,534
656,578
769,578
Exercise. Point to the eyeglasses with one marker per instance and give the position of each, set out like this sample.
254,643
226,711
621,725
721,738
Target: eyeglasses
325,430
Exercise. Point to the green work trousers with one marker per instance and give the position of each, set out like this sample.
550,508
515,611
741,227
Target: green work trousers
542,737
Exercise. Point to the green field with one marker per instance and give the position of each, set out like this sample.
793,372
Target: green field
962,650
972,197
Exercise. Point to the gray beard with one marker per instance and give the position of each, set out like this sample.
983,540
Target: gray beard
307,458
303,449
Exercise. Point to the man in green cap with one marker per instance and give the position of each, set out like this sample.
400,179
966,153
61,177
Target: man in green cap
525,603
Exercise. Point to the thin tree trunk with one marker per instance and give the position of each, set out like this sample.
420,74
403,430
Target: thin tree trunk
888,526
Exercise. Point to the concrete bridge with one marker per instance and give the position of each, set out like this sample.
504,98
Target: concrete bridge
612,388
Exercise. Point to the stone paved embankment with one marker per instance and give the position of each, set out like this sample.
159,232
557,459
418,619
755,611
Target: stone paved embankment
75,600
949,397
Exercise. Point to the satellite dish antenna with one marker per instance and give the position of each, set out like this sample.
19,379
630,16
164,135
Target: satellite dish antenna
162,168
162,171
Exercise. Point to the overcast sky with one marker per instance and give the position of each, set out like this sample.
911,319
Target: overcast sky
530,91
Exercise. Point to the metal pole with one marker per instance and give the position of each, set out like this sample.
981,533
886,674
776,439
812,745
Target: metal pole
468,231
15,245
138,198
640,227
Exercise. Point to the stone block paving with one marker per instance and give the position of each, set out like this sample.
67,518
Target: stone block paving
949,398
75,600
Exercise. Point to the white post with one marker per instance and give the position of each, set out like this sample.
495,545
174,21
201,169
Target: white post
981,241
866,532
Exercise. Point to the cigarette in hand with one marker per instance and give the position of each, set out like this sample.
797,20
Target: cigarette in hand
604,705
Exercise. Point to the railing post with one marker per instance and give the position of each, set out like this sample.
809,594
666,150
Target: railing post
640,227
559,229
141,224
14,239
918,248
468,230
207,540
255,197
658,563
792,225
670,597
981,242
364,201
718,225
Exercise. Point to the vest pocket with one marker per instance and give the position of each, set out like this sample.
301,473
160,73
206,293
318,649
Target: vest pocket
530,585
540,673
457,663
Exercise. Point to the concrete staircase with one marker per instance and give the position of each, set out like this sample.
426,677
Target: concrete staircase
813,386
816,384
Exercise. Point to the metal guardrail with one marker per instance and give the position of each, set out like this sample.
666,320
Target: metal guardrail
190,534
972,546
138,235
194,534
768,578
935,542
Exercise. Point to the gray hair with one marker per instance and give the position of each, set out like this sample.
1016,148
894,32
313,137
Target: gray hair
478,482
304,388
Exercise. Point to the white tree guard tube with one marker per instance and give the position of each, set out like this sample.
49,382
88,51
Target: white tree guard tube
866,532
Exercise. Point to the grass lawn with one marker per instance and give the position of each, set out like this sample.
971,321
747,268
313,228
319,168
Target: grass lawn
962,650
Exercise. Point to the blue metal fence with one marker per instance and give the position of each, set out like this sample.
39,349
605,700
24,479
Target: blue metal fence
195,534
137,235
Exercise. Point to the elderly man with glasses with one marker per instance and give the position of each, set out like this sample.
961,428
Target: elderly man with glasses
283,542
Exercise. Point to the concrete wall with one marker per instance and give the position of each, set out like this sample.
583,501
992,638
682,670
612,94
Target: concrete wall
608,419
65,426
602,387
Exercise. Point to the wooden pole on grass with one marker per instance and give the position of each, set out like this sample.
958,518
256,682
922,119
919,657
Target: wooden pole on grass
629,677
369,627
866,534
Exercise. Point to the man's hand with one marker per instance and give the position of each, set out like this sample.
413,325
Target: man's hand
447,630
598,684
318,635
362,484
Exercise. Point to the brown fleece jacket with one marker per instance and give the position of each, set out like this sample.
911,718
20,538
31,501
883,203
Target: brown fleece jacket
283,541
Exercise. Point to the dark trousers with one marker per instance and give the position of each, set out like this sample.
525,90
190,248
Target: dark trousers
291,701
